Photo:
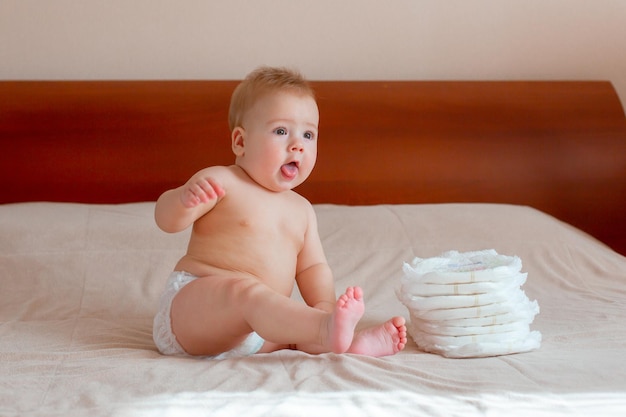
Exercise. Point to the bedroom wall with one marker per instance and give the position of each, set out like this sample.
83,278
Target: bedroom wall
326,39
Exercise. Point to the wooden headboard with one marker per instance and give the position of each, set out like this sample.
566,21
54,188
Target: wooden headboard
557,146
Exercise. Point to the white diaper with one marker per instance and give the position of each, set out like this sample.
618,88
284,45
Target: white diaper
165,339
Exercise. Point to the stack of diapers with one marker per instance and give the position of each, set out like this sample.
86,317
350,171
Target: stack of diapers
469,304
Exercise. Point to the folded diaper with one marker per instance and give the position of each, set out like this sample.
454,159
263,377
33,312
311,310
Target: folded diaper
469,304
427,289
484,349
440,328
455,268
463,301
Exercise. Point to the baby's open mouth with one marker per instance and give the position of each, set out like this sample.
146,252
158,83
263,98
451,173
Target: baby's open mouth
290,170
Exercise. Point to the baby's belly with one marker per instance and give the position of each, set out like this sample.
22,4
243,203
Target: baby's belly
272,272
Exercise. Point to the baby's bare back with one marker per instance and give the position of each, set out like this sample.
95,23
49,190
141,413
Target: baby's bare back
250,232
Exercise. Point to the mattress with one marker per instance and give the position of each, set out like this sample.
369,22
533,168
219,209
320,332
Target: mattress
80,285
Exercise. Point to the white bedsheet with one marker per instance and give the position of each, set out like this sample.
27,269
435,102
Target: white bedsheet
79,285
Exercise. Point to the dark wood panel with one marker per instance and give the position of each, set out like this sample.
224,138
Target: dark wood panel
556,146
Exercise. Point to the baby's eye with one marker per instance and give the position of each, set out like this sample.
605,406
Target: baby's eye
280,131
309,135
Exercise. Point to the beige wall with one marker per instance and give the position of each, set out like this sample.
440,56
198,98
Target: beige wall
326,39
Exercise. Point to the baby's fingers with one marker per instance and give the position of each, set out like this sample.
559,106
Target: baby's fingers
189,198
216,187
207,190
201,191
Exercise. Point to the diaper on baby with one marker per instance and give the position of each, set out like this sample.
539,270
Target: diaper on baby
469,304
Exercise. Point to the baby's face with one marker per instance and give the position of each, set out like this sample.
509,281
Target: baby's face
279,140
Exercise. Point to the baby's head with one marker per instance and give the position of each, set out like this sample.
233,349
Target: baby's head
262,81
274,127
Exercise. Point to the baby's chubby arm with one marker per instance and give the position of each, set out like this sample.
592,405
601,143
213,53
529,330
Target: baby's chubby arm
317,287
314,276
178,208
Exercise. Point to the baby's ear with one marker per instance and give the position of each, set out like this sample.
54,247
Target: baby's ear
237,138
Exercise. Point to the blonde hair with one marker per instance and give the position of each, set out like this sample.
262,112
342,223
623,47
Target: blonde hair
260,82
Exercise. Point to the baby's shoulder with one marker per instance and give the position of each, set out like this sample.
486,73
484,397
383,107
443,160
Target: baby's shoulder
298,201
223,174
218,170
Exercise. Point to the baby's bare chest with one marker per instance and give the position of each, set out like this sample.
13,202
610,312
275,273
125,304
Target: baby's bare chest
269,221
262,240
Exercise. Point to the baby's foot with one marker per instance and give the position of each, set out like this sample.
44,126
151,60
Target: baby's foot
348,311
384,339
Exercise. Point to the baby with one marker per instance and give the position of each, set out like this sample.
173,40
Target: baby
253,238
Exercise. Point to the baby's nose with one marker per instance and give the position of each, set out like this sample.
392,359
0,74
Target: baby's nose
297,146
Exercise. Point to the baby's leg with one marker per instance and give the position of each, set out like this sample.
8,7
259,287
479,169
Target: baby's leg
214,314
337,329
385,339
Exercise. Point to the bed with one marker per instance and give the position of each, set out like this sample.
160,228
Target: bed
405,169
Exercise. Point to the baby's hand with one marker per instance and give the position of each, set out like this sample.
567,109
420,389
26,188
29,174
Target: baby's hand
201,190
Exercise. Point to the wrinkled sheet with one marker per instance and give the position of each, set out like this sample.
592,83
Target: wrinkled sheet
80,285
